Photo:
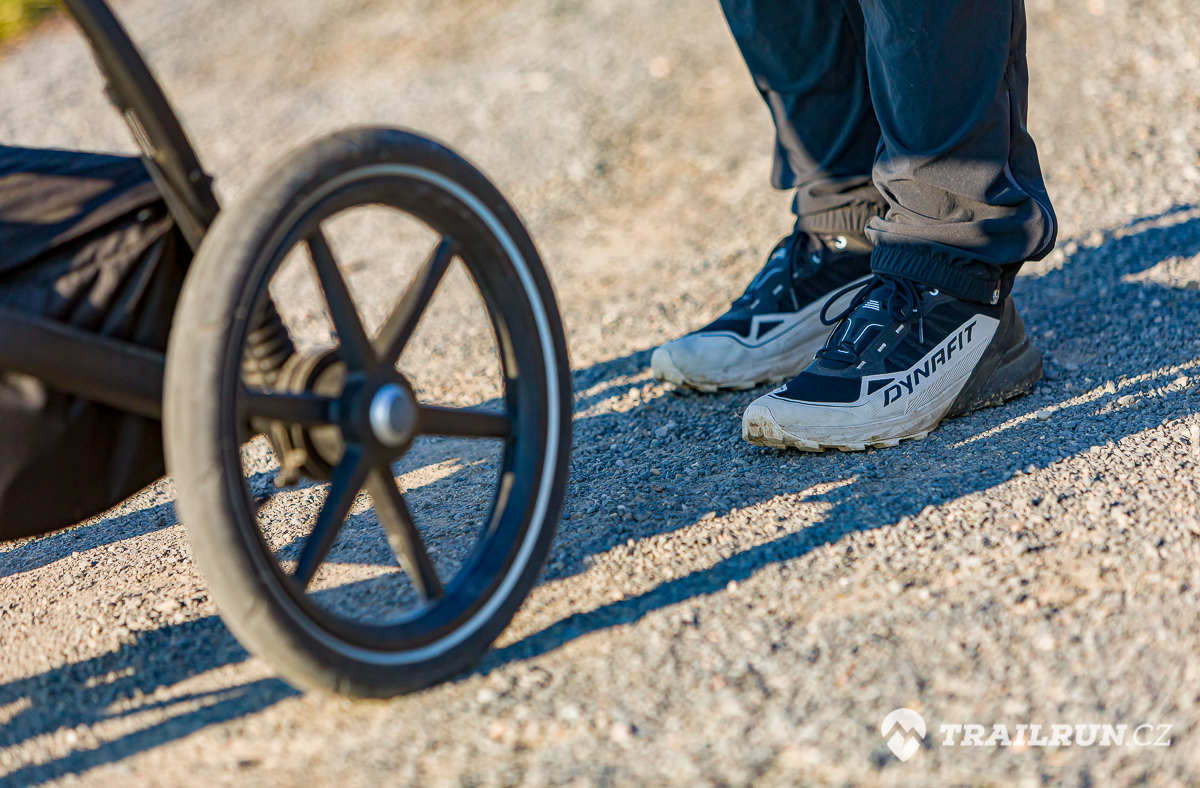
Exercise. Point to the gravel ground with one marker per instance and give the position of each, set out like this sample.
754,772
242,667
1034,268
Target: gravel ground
713,613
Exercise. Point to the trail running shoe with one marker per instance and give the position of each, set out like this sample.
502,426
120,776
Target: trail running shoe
772,331
902,358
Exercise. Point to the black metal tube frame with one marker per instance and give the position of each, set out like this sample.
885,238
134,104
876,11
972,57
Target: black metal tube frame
169,155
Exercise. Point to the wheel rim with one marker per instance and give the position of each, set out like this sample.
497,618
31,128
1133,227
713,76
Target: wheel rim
528,427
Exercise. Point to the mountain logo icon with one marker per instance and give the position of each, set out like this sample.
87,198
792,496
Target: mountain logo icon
902,745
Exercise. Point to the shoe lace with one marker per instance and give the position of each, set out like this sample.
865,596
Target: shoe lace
901,298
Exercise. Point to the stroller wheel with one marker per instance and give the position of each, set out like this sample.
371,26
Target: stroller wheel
342,543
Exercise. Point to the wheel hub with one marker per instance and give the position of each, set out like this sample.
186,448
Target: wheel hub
393,415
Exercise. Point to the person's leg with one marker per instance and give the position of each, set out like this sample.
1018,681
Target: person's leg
967,204
807,58
935,332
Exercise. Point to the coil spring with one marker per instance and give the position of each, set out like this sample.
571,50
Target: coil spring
268,347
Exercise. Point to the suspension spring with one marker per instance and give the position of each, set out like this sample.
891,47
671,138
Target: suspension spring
268,347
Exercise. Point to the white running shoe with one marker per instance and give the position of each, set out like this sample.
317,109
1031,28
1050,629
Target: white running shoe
902,358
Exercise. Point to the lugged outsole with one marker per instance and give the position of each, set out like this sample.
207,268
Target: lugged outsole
760,434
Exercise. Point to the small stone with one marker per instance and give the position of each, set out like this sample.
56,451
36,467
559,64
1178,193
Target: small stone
620,732
655,472
620,463
1044,643
732,586
1110,388
708,515
1128,399
1043,415
1182,380
894,587
485,696
662,432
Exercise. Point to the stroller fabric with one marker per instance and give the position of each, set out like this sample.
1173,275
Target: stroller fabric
85,239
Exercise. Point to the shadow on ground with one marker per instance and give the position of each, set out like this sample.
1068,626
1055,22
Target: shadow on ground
1082,314
125,683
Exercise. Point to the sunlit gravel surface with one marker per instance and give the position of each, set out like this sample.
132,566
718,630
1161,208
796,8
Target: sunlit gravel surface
713,614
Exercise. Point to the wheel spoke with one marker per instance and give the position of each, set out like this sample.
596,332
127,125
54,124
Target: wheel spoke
347,480
463,422
401,324
355,346
306,409
402,532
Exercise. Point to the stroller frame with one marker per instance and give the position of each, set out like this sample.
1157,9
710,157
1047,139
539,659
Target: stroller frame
118,374
343,414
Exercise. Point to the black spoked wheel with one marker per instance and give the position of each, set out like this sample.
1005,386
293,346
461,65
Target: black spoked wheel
363,525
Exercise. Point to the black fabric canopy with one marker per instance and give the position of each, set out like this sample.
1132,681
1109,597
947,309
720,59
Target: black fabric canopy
49,197
85,240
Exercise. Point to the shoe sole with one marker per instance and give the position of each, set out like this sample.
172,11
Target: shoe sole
999,377
760,428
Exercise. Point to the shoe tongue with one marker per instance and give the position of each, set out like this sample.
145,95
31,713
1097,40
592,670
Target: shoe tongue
857,331
765,286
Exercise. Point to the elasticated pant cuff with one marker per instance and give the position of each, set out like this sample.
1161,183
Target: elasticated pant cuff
844,219
935,269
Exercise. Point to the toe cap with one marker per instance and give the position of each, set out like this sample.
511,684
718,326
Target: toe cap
663,367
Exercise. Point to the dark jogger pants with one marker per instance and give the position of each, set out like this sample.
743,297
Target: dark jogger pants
905,120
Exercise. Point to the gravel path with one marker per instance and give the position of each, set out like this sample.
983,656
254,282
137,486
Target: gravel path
713,614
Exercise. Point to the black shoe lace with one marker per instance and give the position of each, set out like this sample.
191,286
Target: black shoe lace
900,297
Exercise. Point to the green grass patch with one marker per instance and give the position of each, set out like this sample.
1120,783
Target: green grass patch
17,16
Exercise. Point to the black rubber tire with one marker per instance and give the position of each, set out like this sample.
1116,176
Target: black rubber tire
201,420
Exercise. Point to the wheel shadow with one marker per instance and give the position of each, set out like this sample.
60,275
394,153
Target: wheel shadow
1093,301
129,687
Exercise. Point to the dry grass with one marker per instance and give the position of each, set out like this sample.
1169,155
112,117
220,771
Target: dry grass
17,16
